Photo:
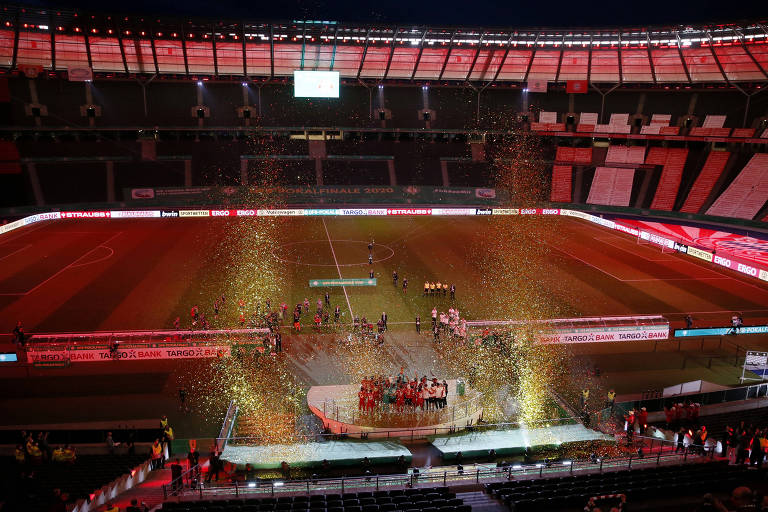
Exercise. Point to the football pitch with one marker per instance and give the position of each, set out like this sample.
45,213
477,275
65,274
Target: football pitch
84,275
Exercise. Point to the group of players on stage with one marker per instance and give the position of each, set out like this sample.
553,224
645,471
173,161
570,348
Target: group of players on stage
402,395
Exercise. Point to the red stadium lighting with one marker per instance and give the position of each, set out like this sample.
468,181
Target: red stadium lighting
127,32
94,30
143,33
159,34
173,34
77,29
109,31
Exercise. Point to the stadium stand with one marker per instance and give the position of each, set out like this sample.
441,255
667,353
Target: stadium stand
587,122
611,186
574,491
712,127
625,155
35,484
565,154
705,182
673,162
658,123
618,123
562,176
356,171
433,499
462,172
747,194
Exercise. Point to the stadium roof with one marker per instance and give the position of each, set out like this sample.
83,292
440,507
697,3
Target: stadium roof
60,39
483,13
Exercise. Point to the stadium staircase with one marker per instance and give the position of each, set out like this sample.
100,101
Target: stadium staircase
481,502
705,182
747,194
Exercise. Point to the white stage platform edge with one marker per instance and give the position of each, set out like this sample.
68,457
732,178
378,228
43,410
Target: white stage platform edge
512,442
337,453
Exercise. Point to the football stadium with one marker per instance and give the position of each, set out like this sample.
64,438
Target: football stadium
326,266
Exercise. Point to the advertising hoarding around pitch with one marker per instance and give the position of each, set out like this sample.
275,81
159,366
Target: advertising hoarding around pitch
607,334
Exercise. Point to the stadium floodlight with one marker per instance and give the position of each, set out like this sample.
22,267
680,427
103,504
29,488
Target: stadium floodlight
199,83
381,86
525,90
244,84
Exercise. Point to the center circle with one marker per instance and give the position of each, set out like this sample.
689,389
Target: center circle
317,253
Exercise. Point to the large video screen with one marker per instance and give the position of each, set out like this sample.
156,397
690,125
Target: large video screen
316,84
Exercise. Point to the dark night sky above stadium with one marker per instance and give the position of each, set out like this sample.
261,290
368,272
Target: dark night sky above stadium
486,13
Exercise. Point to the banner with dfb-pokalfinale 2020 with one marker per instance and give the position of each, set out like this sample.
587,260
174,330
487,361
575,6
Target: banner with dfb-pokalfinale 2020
326,194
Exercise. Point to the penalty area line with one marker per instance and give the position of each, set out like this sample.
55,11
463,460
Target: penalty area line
338,269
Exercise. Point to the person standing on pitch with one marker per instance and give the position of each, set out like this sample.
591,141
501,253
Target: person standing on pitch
394,277
384,319
370,259
418,324
327,299
453,291
405,285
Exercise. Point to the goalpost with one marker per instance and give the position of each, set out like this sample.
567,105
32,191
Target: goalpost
666,245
